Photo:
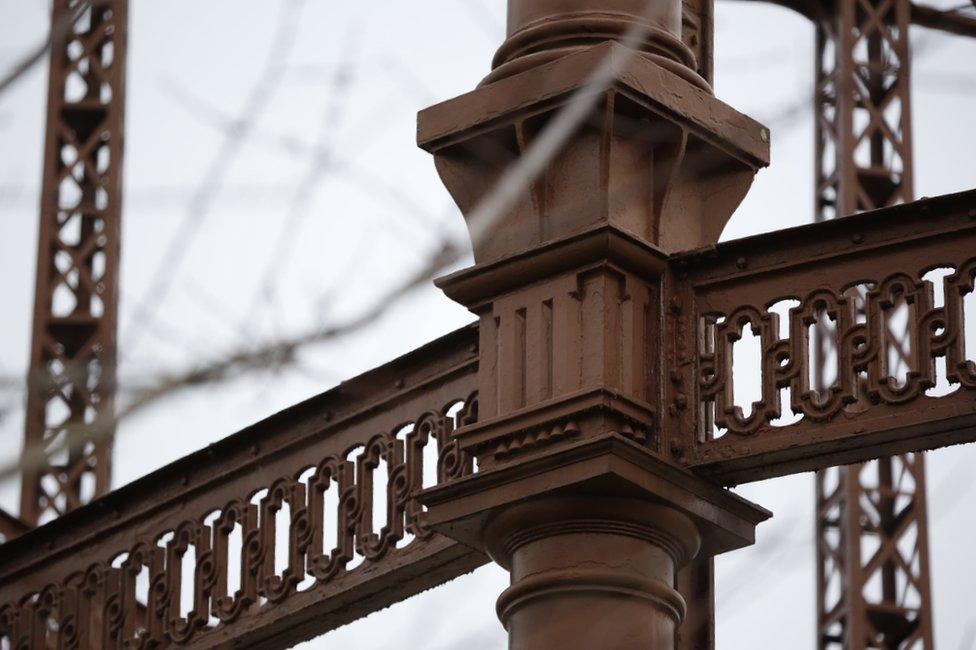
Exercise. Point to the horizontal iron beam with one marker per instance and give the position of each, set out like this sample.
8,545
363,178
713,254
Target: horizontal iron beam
953,22
820,269
111,573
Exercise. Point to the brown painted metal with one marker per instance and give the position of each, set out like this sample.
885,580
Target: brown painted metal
432,377
572,442
873,587
863,108
111,574
73,352
576,422
864,160
873,578
698,33
696,582
952,22
11,526
719,291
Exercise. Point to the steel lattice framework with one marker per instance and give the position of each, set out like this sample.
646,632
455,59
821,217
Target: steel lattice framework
67,444
863,116
873,586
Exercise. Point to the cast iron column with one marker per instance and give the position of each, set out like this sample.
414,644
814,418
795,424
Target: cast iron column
577,493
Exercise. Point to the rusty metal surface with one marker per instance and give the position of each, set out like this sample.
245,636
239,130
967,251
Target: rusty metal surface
112,573
128,523
697,32
696,584
866,414
72,361
11,526
605,361
872,531
953,22
862,97
872,544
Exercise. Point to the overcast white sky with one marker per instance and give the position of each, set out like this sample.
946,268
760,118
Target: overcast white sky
350,80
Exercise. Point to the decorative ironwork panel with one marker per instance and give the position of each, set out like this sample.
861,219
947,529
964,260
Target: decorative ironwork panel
912,266
68,433
283,531
864,161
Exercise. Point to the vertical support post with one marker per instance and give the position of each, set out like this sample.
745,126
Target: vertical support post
872,532
570,443
696,582
71,381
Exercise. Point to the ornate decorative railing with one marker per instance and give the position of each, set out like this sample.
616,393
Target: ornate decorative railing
285,530
777,287
308,520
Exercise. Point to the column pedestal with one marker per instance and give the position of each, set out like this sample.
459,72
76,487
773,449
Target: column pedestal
593,534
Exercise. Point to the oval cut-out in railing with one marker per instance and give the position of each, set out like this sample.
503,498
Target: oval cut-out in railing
822,353
380,482
352,456
898,338
747,370
330,518
429,461
969,325
235,553
142,586
188,567
282,537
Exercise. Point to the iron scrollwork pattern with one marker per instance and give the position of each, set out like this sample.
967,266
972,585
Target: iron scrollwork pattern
154,595
865,376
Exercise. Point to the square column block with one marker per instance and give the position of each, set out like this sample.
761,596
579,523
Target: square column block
658,156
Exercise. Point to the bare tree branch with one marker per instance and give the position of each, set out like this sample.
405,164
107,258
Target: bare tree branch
516,179
202,200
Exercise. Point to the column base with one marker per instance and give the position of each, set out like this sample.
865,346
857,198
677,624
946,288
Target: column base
593,534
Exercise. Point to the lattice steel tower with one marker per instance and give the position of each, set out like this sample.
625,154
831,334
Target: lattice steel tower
872,573
68,431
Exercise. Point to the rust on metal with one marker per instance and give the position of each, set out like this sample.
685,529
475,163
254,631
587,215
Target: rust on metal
867,412
73,352
591,413
864,160
573,439
112,574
